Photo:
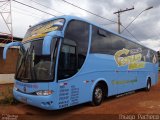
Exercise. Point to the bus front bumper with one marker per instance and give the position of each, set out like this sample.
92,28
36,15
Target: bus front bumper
44,102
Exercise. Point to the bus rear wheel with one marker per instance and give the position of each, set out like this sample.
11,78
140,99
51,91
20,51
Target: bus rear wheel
148,87
98,95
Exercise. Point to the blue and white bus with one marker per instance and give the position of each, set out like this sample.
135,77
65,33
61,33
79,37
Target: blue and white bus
66,61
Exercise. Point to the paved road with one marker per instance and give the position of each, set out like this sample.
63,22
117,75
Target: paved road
6,78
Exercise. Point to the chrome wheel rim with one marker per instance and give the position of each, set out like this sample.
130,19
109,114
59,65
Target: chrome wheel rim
98,94
149,86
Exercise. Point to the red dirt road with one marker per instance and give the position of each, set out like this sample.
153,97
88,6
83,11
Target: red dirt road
140,102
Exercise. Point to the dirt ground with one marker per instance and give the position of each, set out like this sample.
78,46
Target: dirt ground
136,105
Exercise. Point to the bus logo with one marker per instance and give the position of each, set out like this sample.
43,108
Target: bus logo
123,58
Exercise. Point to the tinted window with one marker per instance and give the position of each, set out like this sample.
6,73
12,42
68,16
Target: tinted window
74,49
105,42
33,66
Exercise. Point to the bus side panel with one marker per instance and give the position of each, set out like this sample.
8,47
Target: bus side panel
150,70
73,91
79,88
143,75
102,67
119,79
155,73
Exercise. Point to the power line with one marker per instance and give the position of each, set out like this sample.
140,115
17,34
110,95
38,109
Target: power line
131,34
74,6
26,13
136,17
88,11
46,7
3,4
33,7
100,17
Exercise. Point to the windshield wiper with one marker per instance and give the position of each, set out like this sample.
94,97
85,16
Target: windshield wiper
22,62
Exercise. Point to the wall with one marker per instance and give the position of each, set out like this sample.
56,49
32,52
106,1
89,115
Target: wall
8,66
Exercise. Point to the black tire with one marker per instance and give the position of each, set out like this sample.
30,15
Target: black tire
148,85
98,95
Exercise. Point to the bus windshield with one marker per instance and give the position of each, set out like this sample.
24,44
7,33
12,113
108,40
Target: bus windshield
41,30
32,65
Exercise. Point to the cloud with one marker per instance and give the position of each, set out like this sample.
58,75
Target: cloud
154,3
145,28
153,44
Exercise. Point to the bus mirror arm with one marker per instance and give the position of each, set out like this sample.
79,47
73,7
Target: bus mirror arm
7,46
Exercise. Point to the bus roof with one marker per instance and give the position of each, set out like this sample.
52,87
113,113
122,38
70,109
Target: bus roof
70,17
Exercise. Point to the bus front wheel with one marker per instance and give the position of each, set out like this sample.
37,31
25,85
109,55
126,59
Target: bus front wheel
98,95
148,87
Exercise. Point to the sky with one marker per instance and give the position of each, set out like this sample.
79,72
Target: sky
145,28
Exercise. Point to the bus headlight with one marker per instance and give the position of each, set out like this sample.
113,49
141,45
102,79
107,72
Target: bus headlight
44,92
15,88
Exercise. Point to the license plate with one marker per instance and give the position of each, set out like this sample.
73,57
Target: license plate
24,99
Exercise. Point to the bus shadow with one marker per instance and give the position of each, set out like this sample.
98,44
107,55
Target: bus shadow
31,110
122,95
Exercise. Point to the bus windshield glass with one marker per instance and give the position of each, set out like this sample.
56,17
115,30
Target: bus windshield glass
32,65
41,30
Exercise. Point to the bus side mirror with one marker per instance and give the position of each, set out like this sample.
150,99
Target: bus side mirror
7,46
48,40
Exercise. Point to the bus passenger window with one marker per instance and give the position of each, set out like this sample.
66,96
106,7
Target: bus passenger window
74,49
67,66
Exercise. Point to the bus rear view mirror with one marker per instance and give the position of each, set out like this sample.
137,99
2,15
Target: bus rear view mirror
7,46
48,39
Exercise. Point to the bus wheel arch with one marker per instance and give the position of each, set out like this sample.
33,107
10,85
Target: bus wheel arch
99,92
148,84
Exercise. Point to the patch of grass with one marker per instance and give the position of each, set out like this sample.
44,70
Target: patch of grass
9,100
6,95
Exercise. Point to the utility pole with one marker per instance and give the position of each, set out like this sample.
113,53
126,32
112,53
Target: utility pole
137,17
118,13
